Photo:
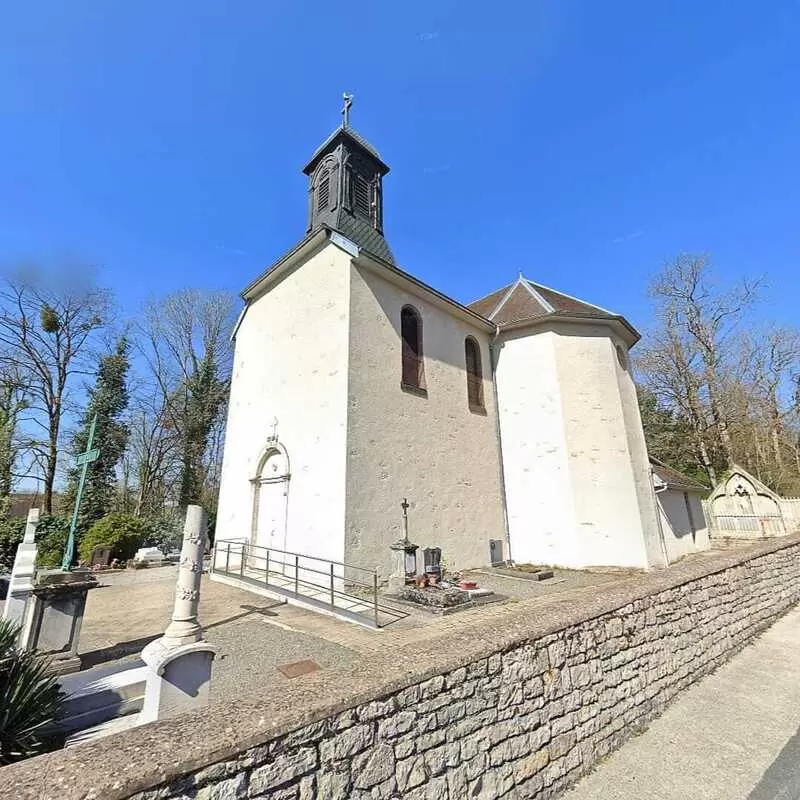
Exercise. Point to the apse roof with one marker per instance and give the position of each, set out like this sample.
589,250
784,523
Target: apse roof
524,300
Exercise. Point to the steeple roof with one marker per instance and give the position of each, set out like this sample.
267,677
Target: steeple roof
353,136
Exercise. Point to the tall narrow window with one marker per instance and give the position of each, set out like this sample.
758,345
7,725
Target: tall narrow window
411,335
472,355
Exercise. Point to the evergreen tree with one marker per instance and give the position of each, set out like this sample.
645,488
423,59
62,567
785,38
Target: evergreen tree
108,399
202,397
668,436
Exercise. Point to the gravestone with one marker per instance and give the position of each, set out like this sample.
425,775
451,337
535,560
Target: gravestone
22,574
404,564
54,617
149,555
101,556
433,561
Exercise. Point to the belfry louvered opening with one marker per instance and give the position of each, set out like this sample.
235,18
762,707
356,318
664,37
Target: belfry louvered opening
362,196
323,190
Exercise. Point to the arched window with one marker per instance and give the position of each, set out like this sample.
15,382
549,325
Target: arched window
472,357
411,335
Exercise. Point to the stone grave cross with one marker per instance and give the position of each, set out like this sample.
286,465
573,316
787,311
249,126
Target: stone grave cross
82,460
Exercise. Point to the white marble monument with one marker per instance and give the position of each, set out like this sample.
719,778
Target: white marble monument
180,661
23,572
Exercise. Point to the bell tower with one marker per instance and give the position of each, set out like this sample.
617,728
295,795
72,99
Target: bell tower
345,188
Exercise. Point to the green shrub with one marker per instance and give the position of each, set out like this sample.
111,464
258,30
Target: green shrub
30,699
51,539
11,533
123,533
165,533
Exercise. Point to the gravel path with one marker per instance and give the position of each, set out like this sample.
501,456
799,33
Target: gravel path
132,608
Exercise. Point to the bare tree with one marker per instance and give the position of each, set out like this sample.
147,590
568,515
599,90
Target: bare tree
733,385
152,458
772,364
704,317
46,332
13,402
185,341
667,366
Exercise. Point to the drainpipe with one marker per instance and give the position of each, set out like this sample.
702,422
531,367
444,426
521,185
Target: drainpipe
494,354
658,517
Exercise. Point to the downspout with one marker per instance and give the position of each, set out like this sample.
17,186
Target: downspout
494,354
658,517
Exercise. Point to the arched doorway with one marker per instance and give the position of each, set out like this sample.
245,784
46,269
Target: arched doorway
270,500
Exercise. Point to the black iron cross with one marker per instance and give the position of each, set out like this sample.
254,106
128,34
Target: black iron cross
404,506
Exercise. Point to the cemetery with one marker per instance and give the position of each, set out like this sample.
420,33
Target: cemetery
117,672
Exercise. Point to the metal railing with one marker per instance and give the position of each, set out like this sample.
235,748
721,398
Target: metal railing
748,524
343,589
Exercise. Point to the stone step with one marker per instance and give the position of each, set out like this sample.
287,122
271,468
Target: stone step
102,694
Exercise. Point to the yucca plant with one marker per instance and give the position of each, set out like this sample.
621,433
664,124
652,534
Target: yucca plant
30,699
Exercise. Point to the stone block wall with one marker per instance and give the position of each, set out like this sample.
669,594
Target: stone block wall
524,722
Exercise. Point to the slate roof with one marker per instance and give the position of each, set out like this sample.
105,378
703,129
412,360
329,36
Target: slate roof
364,235
675,479
353,134
525,300
487,304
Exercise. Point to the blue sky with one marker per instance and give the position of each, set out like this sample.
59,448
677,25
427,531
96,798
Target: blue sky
581,142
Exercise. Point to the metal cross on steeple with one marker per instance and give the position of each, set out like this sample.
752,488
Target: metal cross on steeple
348,101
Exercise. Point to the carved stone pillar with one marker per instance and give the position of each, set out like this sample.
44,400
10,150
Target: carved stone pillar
180,661
185,628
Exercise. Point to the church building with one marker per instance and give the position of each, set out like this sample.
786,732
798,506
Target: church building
511,424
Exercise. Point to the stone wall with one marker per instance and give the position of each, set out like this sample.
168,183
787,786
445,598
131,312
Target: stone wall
521,713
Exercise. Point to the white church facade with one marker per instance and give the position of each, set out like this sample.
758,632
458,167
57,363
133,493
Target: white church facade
512,420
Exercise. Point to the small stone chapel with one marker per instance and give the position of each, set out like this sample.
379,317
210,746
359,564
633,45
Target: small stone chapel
511,424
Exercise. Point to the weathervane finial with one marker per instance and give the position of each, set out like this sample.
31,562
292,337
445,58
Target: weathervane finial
348,101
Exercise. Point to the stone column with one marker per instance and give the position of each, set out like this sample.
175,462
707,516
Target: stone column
180,661
404,564
184,627
23,572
